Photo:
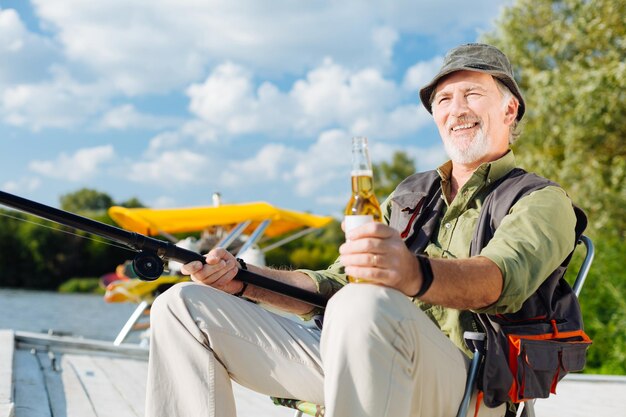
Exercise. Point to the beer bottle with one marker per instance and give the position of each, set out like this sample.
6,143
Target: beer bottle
363,206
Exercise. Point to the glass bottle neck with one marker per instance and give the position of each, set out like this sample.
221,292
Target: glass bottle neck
361,164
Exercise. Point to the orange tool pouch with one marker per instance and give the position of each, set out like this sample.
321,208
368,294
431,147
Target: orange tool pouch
526,360
539,362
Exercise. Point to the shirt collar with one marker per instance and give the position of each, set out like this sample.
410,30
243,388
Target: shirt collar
490,171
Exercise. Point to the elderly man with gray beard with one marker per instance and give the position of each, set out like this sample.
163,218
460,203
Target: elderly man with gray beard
392,346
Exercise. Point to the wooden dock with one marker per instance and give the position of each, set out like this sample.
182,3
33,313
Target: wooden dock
60,376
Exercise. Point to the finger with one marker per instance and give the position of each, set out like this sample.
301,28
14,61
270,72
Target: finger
371,229
374,275
206,270
365,245
370,260
209,274
191,267
224,281
216,255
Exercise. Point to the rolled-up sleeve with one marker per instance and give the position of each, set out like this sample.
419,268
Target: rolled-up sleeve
330,280
327,281
530,243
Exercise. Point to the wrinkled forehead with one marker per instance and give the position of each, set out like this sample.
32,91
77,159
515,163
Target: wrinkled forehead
465,80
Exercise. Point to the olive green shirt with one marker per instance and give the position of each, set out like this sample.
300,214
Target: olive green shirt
532,241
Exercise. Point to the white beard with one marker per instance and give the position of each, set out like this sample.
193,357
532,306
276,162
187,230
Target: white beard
471,151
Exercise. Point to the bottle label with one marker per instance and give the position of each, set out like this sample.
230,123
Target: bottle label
350,222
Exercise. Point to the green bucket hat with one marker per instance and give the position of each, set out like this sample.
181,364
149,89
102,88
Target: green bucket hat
476,57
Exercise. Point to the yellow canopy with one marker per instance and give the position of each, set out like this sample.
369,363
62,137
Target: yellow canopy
151,222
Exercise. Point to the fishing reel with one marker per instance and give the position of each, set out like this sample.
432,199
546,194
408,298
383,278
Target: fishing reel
147,265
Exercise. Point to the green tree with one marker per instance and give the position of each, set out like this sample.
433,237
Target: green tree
387,175
571,57
36,253
571,61
314,251
132,202
86,199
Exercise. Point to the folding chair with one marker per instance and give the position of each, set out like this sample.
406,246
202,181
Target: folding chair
475,342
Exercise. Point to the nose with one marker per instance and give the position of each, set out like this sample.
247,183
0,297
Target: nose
458,105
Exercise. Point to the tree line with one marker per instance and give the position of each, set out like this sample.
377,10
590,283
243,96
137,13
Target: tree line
39,254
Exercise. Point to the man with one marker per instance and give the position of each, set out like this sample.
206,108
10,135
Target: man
391,347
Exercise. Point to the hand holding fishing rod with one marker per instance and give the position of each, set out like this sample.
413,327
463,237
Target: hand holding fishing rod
148,263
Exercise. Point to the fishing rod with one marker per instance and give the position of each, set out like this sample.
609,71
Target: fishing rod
148,263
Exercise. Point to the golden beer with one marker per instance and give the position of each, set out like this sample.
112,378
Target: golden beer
363,206
363,201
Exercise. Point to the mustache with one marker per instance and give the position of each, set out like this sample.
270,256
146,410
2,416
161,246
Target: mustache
463,120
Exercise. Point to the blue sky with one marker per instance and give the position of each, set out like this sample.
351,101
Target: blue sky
171,100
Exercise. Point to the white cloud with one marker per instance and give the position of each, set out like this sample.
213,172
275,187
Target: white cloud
268,165
164,202
428,157
329,96
316,172
27,184
164,141
332,95
384,39
420,74
127,116
60,103
225,98
93,53
171,168
288,85
324,167
81,165
401,121
25,56
128,47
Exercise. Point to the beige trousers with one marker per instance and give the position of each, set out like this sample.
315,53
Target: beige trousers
377,356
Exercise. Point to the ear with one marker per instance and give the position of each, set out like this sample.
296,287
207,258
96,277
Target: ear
510,112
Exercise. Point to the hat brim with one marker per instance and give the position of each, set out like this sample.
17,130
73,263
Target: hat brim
426,91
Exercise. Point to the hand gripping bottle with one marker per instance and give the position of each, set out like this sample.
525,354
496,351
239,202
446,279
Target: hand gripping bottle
363,206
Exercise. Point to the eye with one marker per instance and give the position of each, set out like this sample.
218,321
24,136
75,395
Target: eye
443,100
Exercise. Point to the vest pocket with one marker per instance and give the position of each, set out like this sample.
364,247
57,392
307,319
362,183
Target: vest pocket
539,362
405,210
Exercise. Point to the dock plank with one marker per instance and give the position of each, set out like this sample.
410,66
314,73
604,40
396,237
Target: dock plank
129,379
585,396
77,401
31,397
51,372
102,392
7,350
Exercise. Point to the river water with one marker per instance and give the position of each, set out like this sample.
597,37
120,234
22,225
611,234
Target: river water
89,316
77,314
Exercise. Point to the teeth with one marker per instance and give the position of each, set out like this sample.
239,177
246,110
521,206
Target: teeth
464,126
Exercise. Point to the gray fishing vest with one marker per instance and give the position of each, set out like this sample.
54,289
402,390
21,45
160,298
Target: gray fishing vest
529,351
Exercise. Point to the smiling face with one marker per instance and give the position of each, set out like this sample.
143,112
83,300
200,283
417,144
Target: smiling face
472,119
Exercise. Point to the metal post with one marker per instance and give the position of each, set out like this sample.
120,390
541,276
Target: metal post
130,323
254,237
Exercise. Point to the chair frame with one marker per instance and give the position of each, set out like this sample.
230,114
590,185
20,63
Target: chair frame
528,408
477,339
